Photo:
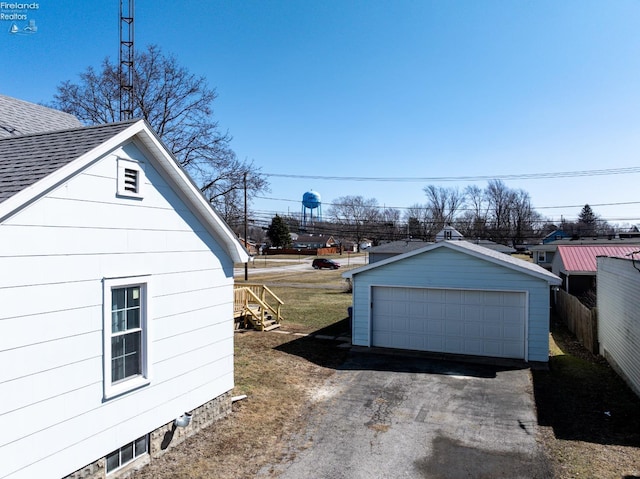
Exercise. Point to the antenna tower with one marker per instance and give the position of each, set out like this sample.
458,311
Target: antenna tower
126,59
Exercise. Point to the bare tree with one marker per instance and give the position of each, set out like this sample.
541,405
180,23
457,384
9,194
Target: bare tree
499,199
443,203
420,224
390,227
356,216
523,217
178,106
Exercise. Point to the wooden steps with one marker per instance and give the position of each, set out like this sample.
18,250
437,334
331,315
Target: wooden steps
254,305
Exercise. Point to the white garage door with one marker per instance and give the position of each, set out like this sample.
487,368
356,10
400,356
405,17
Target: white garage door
481,323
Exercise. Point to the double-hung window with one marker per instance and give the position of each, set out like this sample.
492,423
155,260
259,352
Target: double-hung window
126,335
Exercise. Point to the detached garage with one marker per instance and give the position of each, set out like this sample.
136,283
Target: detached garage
454,297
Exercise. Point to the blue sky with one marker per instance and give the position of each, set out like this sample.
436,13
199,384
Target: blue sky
386,89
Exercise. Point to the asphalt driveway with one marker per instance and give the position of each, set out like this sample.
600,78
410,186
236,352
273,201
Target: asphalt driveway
384,416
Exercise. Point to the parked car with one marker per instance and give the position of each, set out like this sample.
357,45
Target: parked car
320,263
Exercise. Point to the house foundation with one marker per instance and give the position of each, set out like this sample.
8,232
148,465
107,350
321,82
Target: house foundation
162,439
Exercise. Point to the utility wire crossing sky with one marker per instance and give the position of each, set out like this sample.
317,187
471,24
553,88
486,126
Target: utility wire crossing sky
335,96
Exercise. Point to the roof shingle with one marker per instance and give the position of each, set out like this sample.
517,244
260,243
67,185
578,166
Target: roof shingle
24,160
19,117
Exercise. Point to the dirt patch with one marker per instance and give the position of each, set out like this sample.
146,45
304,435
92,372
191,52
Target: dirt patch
279,385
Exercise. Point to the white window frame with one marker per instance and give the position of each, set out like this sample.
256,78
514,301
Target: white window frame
131,165
135,455
112,389
542,256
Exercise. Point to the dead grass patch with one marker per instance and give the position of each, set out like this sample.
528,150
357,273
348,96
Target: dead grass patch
279,373
589,418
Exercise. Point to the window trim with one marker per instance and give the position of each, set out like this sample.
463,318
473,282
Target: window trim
131,165
133,459
542,256
128,384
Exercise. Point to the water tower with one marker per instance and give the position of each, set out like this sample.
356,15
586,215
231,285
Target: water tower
310,203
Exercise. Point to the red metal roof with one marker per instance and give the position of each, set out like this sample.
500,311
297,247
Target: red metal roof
583,258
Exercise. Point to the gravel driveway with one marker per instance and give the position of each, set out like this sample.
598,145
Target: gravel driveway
386,416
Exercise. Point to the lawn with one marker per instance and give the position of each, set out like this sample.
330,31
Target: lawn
589,420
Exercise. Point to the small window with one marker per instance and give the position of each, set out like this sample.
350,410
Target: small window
127,453
126,349
447,235
130,178
542,257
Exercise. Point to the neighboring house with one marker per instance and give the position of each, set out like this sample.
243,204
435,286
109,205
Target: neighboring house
449,233
500,248
555,236
116,299
632,232
313,242
18,117
543,254
454,297
619,316
577,266
394,248
250,246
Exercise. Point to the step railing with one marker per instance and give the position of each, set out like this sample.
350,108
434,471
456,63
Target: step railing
258,304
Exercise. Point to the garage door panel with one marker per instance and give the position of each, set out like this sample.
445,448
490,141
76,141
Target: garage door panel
434,327
454,328
473,346
417,325
474,330
435,310
472,313
453,311
485,323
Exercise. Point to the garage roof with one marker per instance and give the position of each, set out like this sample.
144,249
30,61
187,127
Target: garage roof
583,258
472,250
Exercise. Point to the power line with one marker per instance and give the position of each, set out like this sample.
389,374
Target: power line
622,203
521,176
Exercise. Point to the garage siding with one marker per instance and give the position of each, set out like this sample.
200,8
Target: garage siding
446,268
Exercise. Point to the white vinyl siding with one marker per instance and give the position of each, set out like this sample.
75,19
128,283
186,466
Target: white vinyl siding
58,250
619,316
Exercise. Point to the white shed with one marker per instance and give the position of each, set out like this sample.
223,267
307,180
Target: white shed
117,301
454,297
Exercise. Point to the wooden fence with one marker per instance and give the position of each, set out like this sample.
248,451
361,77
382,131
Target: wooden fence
580,320
303,251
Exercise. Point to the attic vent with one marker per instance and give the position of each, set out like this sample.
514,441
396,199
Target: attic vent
130,178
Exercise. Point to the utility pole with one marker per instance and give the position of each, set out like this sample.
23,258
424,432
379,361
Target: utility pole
246,241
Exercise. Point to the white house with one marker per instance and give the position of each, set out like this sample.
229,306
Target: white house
116,302
454,297
619,315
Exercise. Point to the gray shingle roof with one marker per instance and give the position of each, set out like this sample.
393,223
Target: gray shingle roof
18,117
26,159
398,247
